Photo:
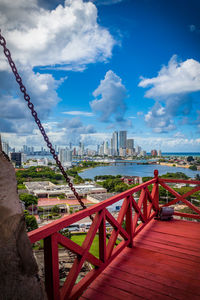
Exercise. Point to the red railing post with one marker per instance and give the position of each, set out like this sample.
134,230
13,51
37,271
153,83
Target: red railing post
155,191
102,239
129,221
51,268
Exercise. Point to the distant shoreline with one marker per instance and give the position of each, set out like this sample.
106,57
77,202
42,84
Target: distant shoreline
174,165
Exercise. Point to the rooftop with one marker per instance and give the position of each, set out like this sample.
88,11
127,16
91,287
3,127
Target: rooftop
56,201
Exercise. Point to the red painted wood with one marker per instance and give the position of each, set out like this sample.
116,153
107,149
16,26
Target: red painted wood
141,226
149,282
169,239
184,215
116,231
151,199
176,249
178,181
181,198
137,208
129,223
158,265
149,208
160,260
145,206
51,268
118,288
144,272
59,224
97,295
102,238
155,195
75,248
80,287
73,274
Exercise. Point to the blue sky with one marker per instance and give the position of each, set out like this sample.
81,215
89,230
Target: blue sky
92,67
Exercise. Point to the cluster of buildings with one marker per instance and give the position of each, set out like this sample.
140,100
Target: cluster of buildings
120,145
50,195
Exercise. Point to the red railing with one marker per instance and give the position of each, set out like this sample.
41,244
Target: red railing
130,213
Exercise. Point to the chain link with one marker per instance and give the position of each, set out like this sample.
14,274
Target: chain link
37,120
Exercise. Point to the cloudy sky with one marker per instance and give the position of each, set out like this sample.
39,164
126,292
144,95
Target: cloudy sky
92,67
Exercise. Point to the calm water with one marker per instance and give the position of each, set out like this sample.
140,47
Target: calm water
135,170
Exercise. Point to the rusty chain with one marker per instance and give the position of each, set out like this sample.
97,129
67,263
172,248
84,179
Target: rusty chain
37,120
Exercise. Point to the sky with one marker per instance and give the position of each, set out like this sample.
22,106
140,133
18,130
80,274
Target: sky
94,67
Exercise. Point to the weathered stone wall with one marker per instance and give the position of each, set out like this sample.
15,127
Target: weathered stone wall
18,269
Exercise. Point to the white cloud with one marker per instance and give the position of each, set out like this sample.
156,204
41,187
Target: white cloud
69,35
111,104
15,115
168,144
159,119
78,113
94,139
173,85
176,78
64,37
72,129
179,135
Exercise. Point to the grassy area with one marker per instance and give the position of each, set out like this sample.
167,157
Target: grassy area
94,249
78,239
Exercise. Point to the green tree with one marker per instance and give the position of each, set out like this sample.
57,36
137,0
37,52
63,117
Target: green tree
197,177
177,175
66,233
147,178
55,209
119,188
193,168
31,222
190,158
28,199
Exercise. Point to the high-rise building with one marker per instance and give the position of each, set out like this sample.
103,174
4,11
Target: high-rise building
122,139
101,150
68,155
154,152
138,149
5,147
105,148
74,151
130,143
122,152
62,155
16,157
65,155
114,144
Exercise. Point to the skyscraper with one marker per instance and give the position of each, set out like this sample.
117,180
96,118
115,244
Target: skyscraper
122,139
114,144
130,143
16,157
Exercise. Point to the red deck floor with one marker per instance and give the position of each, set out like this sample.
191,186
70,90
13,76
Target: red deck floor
164,264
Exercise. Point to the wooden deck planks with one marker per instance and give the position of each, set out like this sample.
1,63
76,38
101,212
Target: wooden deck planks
163,264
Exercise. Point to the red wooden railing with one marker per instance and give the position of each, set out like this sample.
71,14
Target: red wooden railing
130,213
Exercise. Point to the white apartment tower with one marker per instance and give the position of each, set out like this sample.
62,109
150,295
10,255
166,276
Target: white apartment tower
114,144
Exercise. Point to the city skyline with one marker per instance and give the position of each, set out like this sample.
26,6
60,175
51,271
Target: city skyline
93,69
